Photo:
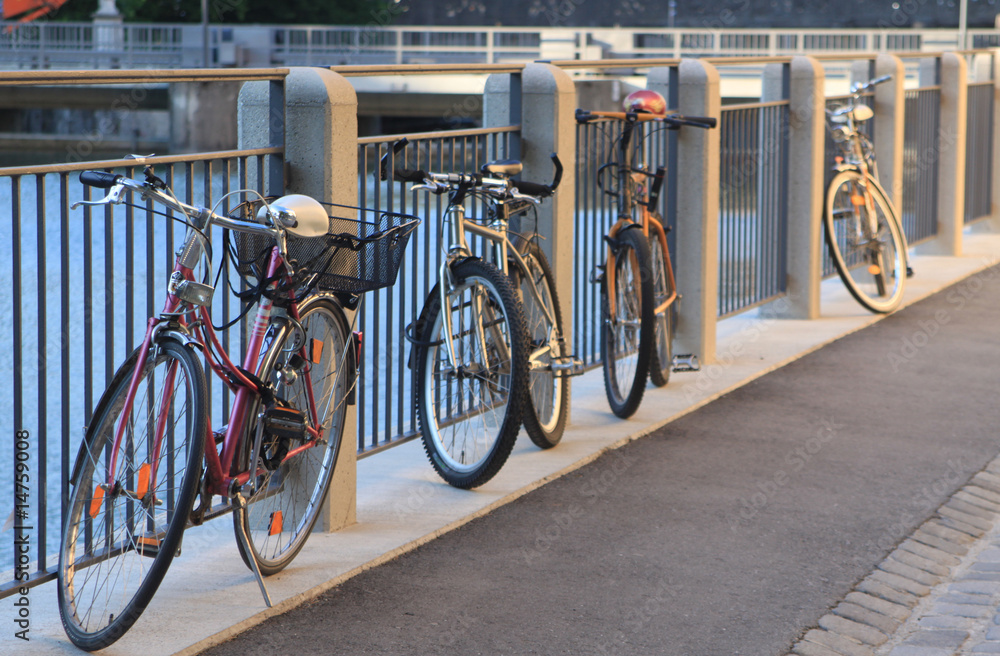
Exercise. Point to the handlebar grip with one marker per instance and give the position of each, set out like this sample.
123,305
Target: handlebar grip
701,121
99,179
532,188
583,116
409,175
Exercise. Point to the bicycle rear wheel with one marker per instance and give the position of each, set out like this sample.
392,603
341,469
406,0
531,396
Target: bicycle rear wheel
120,536
627,331
547,409
469,414
318,364
869,252
662,360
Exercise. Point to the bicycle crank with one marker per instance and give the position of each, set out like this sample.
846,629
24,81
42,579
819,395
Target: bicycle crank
686,362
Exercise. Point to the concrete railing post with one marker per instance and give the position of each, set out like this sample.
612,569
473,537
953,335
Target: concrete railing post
806,168
697,263
543,100
321,136
951,157
889,127
995,200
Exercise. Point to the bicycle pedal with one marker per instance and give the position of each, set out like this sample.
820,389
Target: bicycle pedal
567,366
597,275
909,272
686,362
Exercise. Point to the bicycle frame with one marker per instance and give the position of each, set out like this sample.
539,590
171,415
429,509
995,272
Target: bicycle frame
191,324
628,180
496,232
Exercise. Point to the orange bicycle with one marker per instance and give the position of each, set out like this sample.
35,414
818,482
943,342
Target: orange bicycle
637,318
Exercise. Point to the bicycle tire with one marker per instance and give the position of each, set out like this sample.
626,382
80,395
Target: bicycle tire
467,443
280,516
862,266
547,409
662,361
100,569
627,337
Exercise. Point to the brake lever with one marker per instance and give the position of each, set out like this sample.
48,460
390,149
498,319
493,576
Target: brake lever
114,197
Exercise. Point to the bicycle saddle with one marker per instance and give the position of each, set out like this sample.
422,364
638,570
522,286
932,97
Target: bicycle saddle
504,167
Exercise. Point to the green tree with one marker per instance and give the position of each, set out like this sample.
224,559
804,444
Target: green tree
336,12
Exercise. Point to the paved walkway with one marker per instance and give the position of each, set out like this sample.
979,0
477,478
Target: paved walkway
756,504
854,479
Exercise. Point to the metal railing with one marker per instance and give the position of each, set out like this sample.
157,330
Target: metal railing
82,285
979,151
920,163
753,204
96,45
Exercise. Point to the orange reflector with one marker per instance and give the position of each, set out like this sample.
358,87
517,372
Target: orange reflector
838,159
95,503
317,351
143,485
874,269
857,200
150,545
275,526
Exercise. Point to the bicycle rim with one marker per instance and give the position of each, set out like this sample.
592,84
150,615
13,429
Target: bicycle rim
286,505
870,261
469,417
118,540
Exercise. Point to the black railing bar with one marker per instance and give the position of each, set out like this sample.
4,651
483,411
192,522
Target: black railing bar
441,134
64,322
122,163
77,77
41,307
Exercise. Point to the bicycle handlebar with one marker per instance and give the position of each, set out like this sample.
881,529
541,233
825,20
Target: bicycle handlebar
674,121
443,181
857,87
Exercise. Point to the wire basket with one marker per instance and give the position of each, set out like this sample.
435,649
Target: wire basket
357,255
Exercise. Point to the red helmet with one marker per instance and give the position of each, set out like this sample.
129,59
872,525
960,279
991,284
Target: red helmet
645,101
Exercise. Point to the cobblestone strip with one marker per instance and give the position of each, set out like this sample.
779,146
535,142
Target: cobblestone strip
937,594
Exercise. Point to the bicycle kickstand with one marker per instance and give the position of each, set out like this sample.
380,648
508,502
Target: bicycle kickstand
245,541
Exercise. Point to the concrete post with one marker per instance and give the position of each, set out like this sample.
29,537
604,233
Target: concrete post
951,157
889,127
697,265
544,98
321,133
806,168
994,219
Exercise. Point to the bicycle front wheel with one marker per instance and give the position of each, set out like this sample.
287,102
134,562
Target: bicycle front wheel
662,360
865,242
470,408
122,529
547,409
310,371
627,327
